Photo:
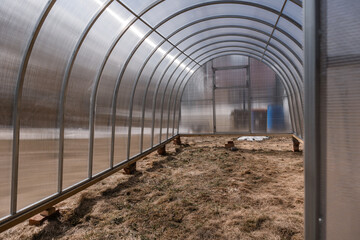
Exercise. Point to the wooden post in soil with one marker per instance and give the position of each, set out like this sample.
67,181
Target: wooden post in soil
229,144
177,140
162,150
130,169
38,219
296,145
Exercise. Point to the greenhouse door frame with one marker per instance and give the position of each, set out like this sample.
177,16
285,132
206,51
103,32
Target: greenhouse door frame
247,88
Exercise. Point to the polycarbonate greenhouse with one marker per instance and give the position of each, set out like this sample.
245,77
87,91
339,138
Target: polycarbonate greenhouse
90,86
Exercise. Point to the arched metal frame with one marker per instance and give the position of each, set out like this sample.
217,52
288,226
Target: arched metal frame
70,63
278,60
252,44
225,35
286,85
231,52
275,48
191,54
190,24
237,17
172,16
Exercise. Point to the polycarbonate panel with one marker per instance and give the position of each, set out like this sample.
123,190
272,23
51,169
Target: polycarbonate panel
284,63
290,28
150,79
268,101
196,46
291,44
168,8
196,117
222,45
137,33
40,100
230,32
140,92
342,155
225,52
137,60
77,95
172,105
182,71
196,104
289,92
231,77
215,21
100,39
342,28
151,94
295,64
295,11
268,98
162,85
340,116
270,115
17,21
138,5
128,42
231,108
294,94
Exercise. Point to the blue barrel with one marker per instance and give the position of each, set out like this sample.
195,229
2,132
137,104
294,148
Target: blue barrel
275,118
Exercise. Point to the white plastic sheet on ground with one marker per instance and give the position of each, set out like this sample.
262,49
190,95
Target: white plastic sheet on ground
251,138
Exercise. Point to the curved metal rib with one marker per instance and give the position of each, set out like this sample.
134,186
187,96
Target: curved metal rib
64,87
17,103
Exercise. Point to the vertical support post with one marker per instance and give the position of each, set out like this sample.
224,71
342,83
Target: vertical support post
249,94
213,95
315,196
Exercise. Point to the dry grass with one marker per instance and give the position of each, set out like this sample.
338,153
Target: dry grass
198,191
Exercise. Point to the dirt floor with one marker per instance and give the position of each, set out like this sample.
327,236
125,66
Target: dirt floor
199,190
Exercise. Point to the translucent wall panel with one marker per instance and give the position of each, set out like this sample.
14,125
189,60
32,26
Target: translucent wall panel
138,121
151,93
231,108
181,71
123,86
138,5
197,105
213,22
230,61
248,96
41,94
342,154
15,35
269,104
167,8
160,91
231,77
340,118
104,84
128,86
77,92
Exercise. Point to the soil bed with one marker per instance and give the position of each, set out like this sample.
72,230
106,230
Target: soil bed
199,190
